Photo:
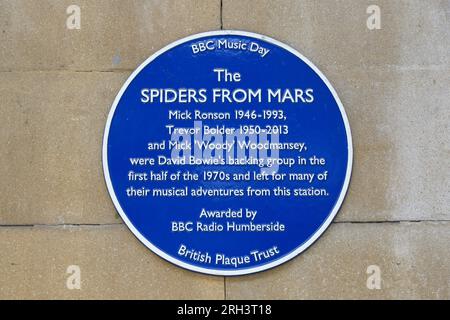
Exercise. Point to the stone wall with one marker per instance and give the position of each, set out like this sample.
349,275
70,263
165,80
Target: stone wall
57,86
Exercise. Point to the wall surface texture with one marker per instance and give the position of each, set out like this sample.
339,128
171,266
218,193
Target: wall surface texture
57,86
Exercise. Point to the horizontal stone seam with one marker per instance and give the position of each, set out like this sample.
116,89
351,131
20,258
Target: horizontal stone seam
390,221
69,225
67,71
365,67
396,67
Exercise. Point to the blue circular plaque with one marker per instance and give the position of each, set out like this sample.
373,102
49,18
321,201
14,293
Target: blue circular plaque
227,153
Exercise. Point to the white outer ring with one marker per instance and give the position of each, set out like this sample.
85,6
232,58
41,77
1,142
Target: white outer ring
219,272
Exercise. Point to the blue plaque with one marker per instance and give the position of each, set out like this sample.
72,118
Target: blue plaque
227,153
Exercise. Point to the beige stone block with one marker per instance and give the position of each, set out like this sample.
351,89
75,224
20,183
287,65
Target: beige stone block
401,136
394,86
114,34
334,32
51,130
113,265
52,125
413,259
